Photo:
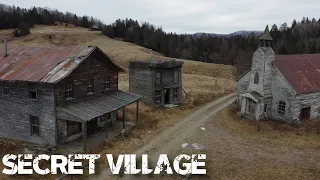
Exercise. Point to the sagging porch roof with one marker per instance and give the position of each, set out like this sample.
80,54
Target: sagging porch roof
94,107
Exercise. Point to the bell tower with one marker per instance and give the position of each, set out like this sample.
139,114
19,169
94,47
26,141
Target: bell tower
266,39
261,69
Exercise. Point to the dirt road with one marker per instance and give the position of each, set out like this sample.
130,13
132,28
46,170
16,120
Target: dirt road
170,141
229,154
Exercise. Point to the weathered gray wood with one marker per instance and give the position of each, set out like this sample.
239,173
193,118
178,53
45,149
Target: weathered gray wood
84,136
142,81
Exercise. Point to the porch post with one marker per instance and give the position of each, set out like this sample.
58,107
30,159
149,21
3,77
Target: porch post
123,117
106,126
84,135
137,112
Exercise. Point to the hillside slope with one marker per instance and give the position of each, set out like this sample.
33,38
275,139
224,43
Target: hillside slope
203,81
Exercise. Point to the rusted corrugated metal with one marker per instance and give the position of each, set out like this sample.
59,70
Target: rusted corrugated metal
37,64
301,71
97,106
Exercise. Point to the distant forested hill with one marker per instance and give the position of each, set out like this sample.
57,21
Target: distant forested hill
236,49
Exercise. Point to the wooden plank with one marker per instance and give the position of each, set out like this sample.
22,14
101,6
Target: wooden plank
84,135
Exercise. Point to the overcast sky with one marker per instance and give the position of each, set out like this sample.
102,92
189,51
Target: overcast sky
188,16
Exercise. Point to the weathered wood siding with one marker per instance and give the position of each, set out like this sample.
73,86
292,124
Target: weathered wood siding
96,67
168,83
282,91
262,65
243,84
16,108
311,100
140,82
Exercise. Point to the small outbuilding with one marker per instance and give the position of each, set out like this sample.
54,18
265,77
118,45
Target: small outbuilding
94,28
158,82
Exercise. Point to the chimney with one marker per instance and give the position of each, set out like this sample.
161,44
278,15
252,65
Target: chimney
5,47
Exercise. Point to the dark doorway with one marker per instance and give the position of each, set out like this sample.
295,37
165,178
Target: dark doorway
92,127
167,97
305,113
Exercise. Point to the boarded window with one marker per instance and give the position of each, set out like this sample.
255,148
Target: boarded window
73,128
5,86
282,108
256,78
158,77
32,91
176,76
90,86
69,90
34,125
157,97
175,93
108,82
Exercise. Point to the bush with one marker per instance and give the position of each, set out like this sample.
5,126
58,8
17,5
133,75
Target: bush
23,30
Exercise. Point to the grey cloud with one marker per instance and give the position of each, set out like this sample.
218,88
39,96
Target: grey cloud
189,16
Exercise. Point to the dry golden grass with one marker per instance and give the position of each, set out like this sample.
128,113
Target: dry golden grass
307,136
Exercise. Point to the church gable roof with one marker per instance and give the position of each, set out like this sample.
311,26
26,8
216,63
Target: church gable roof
301,71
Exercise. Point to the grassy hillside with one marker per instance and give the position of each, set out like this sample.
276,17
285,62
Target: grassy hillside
203,81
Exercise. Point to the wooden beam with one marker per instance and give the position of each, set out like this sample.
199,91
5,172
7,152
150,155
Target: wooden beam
106,126
123,117
84,135
137,112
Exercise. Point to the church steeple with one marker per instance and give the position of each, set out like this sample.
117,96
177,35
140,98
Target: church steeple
266,39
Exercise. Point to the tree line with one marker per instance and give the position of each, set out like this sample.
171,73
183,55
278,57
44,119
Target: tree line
300,37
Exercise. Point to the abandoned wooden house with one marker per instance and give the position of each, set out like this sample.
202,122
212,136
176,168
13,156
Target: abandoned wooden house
94,28
54,96
280,87
158,82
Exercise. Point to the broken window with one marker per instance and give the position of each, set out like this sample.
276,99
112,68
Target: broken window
175,93
176,76
73,128
34,125
256,78
158,77
90,86
157,96
69,90
5,86
282,108
108,82
32,91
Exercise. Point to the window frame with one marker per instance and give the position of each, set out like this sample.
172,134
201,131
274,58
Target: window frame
32,89
282,108
176,76
107,82
256,78
5,88
68,92
90,86
157,96
158,80
34,124
175,93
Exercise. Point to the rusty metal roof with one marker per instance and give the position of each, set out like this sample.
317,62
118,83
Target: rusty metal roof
96,106
301,71
38,64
